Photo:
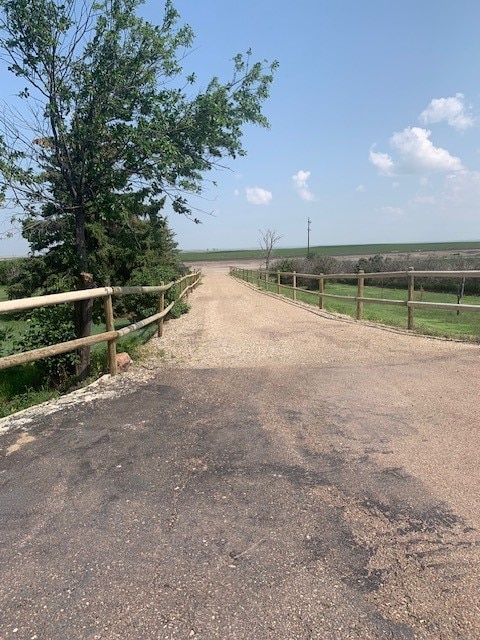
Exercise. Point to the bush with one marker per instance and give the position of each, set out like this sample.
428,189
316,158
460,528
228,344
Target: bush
314,264
9,269
145,305
48,326
24,277
6,335
285,264
378,264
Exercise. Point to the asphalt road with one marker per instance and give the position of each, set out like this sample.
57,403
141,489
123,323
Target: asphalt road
328,492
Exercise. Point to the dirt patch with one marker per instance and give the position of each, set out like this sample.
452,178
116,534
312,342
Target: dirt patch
24,439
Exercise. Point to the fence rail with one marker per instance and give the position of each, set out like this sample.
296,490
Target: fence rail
262,276
111,335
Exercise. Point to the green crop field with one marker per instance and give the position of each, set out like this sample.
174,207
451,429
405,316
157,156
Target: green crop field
333,250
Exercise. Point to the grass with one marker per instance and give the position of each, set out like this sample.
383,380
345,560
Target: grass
14,326
436,322
23,386
333,250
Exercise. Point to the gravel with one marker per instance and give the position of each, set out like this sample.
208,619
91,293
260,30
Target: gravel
334,462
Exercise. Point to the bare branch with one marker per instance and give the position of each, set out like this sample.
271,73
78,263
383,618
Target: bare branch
268,240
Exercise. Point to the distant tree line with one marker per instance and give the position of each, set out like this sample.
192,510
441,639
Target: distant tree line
316,264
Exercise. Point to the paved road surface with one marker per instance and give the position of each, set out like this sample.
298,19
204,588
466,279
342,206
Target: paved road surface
277,475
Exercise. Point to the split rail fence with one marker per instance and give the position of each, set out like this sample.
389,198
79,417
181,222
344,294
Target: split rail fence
111,335
260,277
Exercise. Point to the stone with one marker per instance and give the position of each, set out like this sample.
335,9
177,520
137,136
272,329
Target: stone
123,362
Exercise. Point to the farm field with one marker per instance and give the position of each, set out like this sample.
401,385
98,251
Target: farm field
335,250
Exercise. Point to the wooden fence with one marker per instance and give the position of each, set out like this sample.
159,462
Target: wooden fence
111,335
261,276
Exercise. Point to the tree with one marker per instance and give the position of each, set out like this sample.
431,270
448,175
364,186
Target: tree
268,240
112,132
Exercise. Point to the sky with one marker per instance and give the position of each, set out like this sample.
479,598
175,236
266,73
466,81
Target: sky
374,122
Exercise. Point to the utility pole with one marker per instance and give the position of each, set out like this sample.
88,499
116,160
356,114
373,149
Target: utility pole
309,222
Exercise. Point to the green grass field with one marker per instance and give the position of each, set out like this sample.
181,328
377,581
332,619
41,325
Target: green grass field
436,322
333,250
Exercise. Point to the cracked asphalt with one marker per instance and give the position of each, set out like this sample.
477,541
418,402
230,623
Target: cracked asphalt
276,474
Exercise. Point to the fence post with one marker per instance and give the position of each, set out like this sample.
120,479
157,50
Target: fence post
161,307
321,289
259,275
411,294
278,282
266,280
294,285
360,292
112,344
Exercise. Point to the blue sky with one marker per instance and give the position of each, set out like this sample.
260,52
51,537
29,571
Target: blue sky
375,120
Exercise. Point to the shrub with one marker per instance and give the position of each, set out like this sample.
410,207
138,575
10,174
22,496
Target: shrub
145,305
9,269
48,326
6,335
285,264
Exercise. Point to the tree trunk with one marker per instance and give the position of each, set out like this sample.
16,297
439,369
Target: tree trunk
83,329
83,308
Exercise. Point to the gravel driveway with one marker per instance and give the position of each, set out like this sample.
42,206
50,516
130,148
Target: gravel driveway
269,472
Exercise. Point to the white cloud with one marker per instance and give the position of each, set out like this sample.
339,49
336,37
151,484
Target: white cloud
463,188
395,185
360,188
423,200
425,182
393,211
419,155
451,110
300,181
256,195
236,193
416,155
382,161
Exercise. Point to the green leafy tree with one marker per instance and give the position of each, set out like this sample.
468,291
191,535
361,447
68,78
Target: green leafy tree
115,129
